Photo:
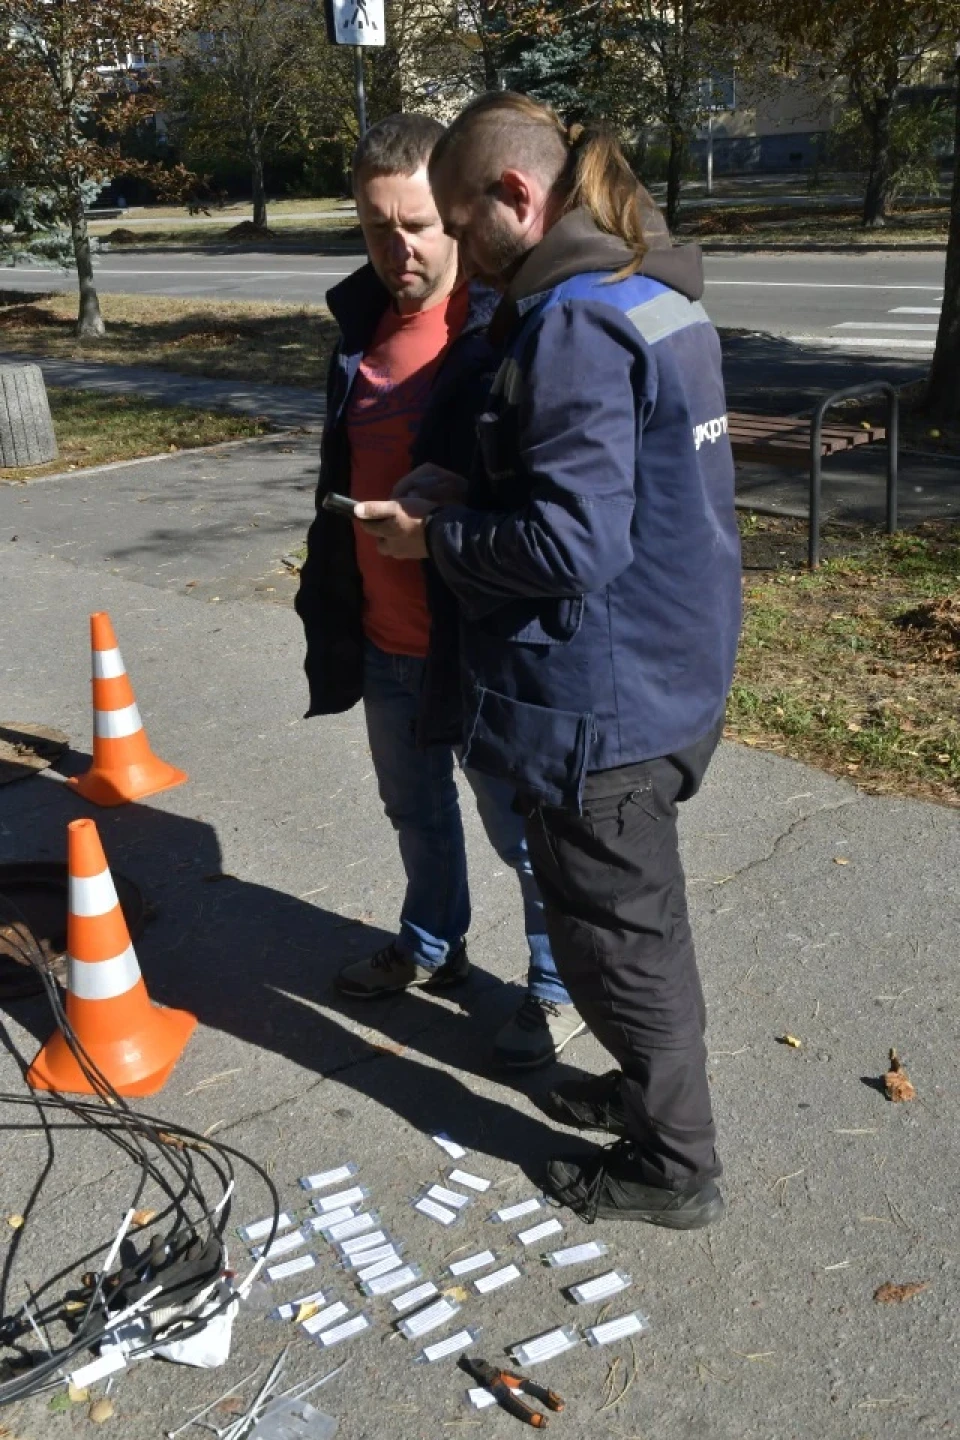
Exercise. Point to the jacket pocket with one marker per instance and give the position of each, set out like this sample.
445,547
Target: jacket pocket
540,750
535,622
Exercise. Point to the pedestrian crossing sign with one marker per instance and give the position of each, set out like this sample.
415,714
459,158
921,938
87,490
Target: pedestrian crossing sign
355,22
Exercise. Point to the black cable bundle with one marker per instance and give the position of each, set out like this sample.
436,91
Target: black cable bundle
182,1261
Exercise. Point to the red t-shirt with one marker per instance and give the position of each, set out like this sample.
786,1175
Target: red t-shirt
386,406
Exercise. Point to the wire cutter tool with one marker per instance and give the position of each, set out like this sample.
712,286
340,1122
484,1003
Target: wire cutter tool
504,1385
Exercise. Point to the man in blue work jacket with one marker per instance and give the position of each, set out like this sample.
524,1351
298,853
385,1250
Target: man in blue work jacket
596,563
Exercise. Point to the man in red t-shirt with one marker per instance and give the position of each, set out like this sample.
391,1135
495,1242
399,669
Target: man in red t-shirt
405,386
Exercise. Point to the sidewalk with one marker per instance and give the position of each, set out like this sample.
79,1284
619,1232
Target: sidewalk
286,405
764,1326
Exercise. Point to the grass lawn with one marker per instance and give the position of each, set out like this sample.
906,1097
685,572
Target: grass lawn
228,340
856,667
765,224
95,429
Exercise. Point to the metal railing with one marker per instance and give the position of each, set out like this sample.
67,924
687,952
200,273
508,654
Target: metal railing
879,387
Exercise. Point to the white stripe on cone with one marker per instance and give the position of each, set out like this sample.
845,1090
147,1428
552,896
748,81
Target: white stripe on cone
103,979
107,664
116,724
92,894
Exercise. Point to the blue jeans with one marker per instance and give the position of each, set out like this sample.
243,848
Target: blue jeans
420,798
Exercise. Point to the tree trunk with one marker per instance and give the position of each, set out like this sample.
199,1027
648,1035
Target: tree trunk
675,161
89,320
256,178
943,387
878,120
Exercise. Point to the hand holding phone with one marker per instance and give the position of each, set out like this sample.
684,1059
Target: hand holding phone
339,504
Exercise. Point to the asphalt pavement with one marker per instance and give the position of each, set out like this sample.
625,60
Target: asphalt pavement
819,912
868,304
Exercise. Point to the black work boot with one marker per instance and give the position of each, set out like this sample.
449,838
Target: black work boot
591,1103
610,1186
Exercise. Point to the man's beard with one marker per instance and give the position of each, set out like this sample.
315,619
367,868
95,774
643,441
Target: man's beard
505,252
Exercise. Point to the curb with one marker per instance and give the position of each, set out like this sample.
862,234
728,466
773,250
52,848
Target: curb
81,471
821,247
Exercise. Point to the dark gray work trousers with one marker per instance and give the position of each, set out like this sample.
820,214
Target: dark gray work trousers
616,910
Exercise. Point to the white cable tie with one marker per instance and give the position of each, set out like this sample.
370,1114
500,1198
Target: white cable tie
99,1369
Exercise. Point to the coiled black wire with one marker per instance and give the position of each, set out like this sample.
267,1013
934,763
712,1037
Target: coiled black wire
163,1151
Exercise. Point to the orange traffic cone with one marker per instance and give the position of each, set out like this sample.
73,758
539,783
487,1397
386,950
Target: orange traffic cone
124,767
134,1043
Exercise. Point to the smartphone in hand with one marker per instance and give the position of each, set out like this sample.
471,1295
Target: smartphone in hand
340,504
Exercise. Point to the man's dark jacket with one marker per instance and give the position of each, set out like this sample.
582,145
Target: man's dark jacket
330,598
597,560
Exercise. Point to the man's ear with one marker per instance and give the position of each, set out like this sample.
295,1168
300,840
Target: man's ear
513,189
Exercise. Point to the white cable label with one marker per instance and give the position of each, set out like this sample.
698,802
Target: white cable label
348,1228
291,1307
261,1228
481,1399
577,1254
546,1346
435,1211
452,1346
455,1151
485,1283
354,1196
472,1262
332,1217
380,1267
108,1364
395,1280
429,1319
371,1256
414,1297
344,1331
358,1244
448,1197
513,1212
282,1245
600,1287
291,1267
329,1177
539,1232
470,1182
618,1329
325,1318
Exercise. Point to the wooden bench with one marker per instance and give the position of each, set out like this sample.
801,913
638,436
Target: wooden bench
785,440
806,441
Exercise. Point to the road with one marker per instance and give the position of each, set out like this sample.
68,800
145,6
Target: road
876,303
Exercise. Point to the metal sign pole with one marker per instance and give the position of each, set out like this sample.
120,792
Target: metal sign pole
361,95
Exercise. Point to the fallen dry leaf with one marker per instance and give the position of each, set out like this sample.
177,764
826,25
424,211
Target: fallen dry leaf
790,1040
16,1222
100,1411
233,1405
891,1294
897,1084
305,1311
76,1396
144,1217
840,860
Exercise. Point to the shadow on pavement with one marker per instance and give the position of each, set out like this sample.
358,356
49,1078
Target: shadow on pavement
770,374
260,965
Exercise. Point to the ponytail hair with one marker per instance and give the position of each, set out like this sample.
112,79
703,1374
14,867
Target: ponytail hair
584,166
598,179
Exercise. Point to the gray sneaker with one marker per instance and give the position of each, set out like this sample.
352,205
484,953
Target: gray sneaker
536,1034
392,970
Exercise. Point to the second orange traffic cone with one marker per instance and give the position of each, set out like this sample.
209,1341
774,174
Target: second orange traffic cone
124,767
132,1042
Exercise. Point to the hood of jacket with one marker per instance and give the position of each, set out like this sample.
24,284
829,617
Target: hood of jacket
358,302
576,245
